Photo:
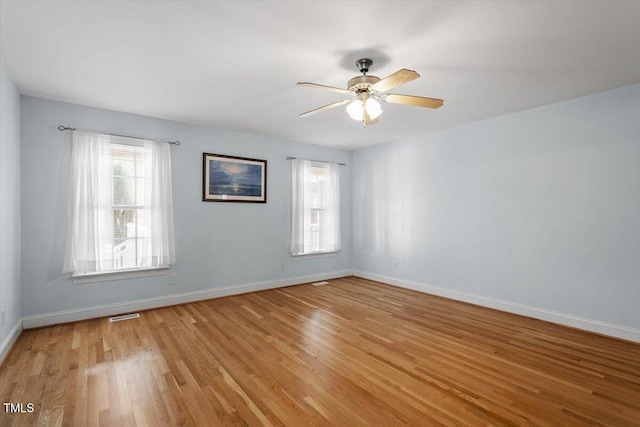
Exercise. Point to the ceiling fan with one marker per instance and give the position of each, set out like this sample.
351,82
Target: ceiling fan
366,91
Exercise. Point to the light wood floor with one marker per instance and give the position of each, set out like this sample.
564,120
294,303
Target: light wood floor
352,353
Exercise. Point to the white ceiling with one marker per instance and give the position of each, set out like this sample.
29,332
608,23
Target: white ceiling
235,64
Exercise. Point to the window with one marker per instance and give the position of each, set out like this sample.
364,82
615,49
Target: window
128,205
120,205
315,218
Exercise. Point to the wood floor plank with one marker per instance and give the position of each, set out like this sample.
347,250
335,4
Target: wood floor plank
355,352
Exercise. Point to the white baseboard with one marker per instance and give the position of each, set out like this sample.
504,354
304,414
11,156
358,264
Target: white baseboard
613,330
10,340
66,316
29,322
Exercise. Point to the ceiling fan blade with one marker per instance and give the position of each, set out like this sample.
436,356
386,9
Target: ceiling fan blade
401,76
331,88
367,120
418,101
326,107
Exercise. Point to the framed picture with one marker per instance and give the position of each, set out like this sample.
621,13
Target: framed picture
233,179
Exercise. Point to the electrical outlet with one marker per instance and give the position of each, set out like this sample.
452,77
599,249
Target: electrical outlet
3,318
394,264
173,279
282,267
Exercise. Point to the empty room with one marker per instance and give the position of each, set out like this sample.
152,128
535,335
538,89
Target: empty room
319,213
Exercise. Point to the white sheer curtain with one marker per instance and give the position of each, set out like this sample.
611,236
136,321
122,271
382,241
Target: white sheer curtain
90,242
159,249
315,207
90,230
332,205
299,216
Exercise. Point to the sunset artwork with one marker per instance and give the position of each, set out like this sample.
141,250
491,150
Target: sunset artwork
233,179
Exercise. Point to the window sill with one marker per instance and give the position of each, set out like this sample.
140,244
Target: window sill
314,255
106,276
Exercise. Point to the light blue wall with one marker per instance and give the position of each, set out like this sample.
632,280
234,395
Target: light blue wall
540,208
9,204
218,244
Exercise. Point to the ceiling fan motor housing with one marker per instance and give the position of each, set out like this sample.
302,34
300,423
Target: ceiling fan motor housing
360,83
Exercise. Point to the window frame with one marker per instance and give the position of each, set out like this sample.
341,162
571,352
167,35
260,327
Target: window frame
123,274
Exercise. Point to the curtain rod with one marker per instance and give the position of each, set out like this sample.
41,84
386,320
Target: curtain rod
62,128
320,161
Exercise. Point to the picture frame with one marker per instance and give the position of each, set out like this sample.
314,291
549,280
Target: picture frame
233,179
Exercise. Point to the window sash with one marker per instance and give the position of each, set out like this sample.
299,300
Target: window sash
127,174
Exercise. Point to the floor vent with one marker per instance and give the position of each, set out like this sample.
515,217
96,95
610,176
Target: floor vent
124,317
320,283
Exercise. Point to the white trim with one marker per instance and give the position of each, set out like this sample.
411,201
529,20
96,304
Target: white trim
106,276
40,320
10,340
313,255
610,329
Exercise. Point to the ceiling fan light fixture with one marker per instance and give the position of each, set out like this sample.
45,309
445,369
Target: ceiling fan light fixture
373,108
356,109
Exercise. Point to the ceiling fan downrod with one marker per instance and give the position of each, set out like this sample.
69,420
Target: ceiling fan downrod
363,65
